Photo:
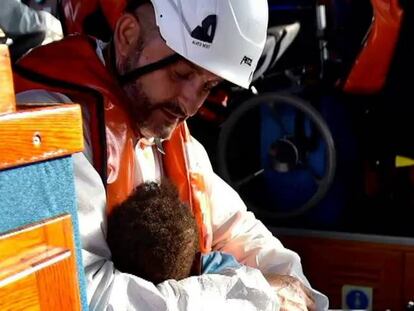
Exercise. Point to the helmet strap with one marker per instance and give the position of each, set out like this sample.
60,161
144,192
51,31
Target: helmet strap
139,72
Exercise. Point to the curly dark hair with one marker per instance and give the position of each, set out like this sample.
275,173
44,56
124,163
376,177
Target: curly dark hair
152,234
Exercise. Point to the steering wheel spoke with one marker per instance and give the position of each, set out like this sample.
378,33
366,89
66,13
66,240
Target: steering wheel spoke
247,179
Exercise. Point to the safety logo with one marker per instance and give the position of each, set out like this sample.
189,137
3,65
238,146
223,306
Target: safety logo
206,32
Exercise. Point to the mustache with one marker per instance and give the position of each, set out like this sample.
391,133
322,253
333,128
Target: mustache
171,107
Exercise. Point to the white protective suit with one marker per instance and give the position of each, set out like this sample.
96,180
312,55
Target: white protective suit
235,231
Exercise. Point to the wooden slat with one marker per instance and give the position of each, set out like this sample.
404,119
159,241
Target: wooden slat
9,247
38,134
41,269
28,246
7,98
36,235
29,262
53,297
59,233
20,296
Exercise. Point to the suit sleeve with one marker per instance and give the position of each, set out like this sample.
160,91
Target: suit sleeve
236,289
238,232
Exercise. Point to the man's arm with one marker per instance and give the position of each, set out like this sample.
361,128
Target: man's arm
109,289
238,232
239,289
235,231
242,289
291,293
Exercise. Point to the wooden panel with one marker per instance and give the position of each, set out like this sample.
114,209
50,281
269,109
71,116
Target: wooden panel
59,233
51,232
41,267
55,297
28,262
7,99
409,278
34,135
330,264
9,246
22,295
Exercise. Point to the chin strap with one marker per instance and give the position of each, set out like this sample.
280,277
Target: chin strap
138,72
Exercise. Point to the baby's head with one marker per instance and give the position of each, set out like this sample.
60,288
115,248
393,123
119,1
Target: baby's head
153,234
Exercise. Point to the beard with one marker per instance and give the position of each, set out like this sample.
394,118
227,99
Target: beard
149,116
152,119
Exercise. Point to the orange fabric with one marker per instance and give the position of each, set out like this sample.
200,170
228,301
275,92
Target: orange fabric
74,69
371,67
201,210
176,165
191,185
79,67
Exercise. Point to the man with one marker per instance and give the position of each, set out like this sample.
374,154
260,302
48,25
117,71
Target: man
153,235
165,57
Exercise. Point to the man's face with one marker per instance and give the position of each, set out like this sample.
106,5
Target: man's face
162,99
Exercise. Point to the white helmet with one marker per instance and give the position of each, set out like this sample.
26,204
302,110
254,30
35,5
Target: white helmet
226,37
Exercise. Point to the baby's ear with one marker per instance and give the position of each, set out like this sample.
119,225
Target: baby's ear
196,267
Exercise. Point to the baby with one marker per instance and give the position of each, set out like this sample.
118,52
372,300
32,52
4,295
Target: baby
153,234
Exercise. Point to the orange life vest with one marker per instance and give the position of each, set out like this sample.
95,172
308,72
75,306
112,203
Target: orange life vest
71,67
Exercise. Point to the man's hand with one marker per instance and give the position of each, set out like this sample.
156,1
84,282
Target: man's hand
292,294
